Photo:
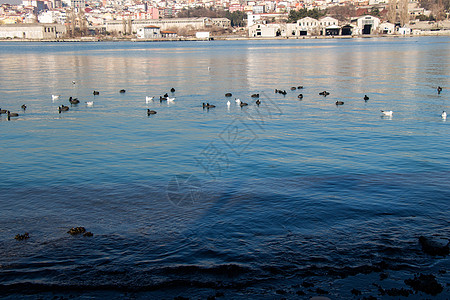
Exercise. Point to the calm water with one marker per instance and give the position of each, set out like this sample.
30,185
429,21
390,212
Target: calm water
248,202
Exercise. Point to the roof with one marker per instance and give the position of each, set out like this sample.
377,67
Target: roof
168,32
152,27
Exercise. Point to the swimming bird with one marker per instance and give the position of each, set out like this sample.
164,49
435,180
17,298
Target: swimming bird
90,103
366,98
243,104
148,99
73,82
293,88
172,90
238,101
150,112
258,102
300,96
387,113
255,96
63,108
444,115
282,92
161,99
166,95
10,115
170,99
228,103
439,89
3,111
208,106
300,87
339,102
324,93
55,97
24,107
122,91
96,93
73,100
228,95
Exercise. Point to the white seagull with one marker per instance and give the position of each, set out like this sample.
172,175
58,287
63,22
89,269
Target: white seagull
90,103
228,103
170,99
387,113
148,99
238,101
55,97
444,115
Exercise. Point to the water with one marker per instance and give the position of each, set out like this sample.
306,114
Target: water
240,202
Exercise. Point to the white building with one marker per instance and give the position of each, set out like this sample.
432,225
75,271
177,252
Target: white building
149,32
35,31
308,26
367,24
386,28
404,31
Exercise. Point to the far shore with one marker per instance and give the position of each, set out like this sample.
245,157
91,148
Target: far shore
225,38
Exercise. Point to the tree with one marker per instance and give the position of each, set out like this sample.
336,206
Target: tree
237,18
342,13
392,11
295,15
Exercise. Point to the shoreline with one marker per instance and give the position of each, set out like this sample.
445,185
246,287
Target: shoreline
223,38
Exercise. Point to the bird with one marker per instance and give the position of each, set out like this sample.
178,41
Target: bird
148,99
439,89
73,82
282,92
122,91
73,100
238,101
150,112
10,114
366,97
90,103
255,96
243,104
24,107
300,87
3,111
55,97
170,99
161,99
228,95
444,115
387,113
172,90
300,96
293,88
63,108
339,102
166,95
208,106
258,102
324,93
96,93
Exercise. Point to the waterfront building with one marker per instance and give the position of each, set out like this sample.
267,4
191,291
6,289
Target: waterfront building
36,31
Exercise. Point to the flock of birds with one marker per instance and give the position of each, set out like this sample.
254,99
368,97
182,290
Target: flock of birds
165,97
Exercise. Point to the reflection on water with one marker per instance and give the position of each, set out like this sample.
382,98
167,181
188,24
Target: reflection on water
235,200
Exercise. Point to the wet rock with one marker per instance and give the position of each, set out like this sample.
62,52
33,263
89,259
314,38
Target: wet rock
425,283
88,234
434,246
442,271
369,298
398,292
356,292
321,291
306,284
220,294
384,275
21,237
300,293
281,292
76,230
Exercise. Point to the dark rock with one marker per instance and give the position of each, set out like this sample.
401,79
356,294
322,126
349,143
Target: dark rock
88,234
21,237
306,284
369,298
300,293
426,284
220,294
356,292
384,275
321,292
280,292
76,230
434,247
442,272
398,292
